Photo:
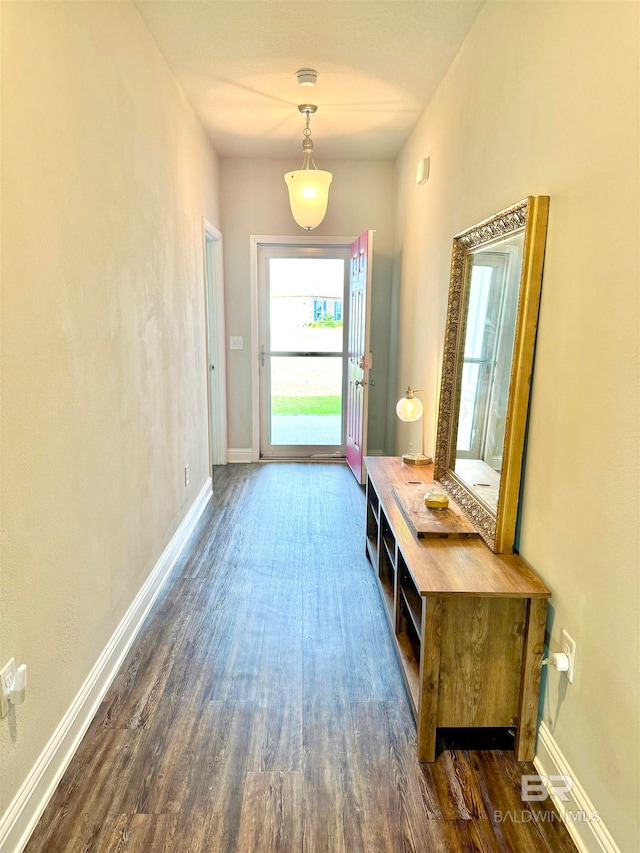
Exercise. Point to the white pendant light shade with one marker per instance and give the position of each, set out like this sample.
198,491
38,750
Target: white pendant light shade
308,195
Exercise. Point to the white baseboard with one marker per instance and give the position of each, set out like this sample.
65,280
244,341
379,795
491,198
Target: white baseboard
245,454
589,836
240,454
20,819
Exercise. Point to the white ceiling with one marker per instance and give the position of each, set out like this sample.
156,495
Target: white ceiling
379,62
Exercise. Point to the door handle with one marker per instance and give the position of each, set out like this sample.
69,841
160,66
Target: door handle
364,382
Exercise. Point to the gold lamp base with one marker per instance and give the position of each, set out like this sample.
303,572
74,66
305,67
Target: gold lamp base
416,459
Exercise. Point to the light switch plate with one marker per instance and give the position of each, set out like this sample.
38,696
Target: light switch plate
236,342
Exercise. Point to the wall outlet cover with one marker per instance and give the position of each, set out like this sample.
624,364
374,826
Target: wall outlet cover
569,648
7,678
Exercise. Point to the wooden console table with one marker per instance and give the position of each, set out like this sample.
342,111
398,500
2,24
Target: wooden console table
468,624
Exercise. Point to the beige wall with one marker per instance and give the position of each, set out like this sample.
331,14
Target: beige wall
543,99
254,200
106,175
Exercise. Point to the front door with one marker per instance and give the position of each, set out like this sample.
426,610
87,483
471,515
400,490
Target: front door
303,336
360,358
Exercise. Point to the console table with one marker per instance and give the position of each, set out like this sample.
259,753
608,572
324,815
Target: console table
468,624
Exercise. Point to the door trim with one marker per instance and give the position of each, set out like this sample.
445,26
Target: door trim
271,241
215,344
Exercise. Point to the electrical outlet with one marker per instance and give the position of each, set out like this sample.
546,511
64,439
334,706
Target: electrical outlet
186,475
569,648
7,678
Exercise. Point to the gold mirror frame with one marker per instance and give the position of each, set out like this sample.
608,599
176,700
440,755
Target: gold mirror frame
531,215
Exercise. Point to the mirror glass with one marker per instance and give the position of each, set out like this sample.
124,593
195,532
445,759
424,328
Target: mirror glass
492,314
491,298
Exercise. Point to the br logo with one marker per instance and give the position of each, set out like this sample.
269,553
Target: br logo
535,789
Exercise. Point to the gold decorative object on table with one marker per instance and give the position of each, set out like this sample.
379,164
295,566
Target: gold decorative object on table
436,499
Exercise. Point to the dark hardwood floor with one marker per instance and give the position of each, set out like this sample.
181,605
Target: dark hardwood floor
262,709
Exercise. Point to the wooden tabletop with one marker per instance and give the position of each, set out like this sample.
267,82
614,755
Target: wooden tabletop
448,566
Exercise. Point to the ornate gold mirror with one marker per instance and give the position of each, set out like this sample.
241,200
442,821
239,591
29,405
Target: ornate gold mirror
492,315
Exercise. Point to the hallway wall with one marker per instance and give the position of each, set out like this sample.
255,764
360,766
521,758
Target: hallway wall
106,175
543,98
254,200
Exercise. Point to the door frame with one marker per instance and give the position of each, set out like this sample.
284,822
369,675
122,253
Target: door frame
212,245
271,241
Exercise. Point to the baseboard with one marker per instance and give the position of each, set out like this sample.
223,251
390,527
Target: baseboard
245,454
240,454
25,811
589,835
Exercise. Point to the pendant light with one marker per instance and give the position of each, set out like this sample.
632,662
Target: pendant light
308,186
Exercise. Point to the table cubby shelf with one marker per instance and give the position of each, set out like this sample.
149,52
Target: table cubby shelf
468,625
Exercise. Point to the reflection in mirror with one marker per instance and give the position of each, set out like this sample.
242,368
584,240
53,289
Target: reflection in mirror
492,285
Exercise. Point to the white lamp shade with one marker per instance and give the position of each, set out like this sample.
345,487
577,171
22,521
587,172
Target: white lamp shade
409,409
308,195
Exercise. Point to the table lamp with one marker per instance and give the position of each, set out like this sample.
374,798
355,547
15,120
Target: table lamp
410,409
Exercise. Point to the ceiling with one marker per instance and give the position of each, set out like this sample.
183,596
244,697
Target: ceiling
378,61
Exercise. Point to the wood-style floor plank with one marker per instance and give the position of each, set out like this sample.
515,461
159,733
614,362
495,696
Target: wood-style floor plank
389,819
333,818
272,809
499,779
261,707
463,836
87,802
152,833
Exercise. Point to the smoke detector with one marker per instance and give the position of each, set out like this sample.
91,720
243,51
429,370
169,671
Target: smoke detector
307,76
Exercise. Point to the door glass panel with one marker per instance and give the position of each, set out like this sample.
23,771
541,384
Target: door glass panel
306,400
306,304
477,319
483,319
468,396
490,329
